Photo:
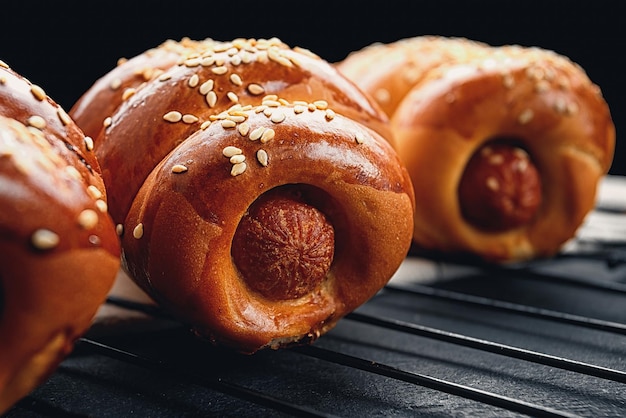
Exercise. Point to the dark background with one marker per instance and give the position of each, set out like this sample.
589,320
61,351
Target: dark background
65,46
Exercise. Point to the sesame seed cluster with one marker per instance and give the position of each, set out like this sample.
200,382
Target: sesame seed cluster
209,82
276,110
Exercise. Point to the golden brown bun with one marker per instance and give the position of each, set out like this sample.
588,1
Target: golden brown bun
287,164
532,100
208,78
59,253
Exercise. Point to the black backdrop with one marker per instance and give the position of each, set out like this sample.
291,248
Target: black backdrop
66,46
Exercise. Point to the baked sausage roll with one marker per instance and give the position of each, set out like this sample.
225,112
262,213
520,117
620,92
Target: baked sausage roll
259,202
59,252
505,150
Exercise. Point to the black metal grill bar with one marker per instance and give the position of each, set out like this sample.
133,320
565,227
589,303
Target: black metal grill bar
484,345
215,383
590,284
492,347
452,388
526,310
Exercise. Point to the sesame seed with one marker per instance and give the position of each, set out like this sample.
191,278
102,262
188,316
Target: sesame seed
526,116
44,239
211,98
270,103
205,124
297,109
227,124
138,231
38,92
206,87
277,117
165,77
128,93
219,70
88,143
321,104
257,133
230,150
63,117
243,128
238,169
193,81
192,62
107,121
207,61
115,84
359,137
102,205
255,89
268,135
236,79
246,57
119,229
236,159
188,118
88,219
37,121
94,192
330,114
173,116
236,118
261,156
275,55
4,64
232,97
268,111
179,168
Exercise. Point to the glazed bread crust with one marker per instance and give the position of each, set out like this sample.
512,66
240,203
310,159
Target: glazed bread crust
59,252
532,100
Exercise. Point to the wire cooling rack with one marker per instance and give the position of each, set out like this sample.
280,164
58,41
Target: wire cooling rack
443,338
